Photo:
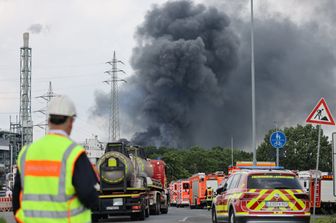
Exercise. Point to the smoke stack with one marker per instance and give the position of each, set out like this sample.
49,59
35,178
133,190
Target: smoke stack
25,39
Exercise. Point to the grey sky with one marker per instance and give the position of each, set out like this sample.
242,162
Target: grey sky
75,39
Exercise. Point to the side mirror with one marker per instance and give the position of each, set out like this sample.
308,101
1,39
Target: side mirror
221,189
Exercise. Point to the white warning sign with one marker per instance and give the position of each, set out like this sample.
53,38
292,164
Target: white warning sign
321,114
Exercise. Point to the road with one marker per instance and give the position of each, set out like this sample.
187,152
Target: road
175,215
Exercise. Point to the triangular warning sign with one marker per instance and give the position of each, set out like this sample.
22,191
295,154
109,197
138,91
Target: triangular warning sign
321,114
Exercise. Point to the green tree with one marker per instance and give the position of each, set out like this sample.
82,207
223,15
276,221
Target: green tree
174,160
300,150
182,163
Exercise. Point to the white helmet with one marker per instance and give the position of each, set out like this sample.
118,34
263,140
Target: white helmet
61,105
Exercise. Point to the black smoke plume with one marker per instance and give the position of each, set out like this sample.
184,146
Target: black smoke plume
186,55
192,76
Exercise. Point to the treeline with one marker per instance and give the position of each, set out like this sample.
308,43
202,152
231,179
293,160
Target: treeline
186,162
298,154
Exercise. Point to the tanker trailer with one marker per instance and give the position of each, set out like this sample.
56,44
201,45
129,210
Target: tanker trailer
122,190
154,171
126,183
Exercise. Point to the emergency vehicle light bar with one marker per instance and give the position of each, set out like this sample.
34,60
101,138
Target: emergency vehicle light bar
262,168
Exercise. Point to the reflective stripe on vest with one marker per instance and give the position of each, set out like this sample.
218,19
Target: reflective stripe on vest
61,196
53,214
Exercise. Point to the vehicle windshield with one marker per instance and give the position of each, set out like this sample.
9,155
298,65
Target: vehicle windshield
273,181
212,183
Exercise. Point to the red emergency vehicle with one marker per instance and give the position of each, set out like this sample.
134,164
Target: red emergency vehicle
261,196
197,197
245,164
172,193
182,198
212,181
325,200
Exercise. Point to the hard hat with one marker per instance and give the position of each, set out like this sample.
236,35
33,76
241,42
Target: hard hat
61,105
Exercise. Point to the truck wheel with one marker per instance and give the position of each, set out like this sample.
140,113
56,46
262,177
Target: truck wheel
196,206
232,217
164,211
134,217
164,208
147,212
157,205
142,215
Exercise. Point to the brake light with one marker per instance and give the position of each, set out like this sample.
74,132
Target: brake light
247,196
137,207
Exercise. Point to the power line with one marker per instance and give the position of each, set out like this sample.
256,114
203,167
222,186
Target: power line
55,67
114,128
42,90
54,77
7,113
47,97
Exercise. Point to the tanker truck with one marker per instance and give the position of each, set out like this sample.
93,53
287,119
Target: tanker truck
130,184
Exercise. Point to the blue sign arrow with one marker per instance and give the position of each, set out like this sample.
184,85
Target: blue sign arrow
278,139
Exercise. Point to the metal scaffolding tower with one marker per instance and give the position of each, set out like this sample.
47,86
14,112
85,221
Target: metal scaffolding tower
25,117
14,140
114,128
47,97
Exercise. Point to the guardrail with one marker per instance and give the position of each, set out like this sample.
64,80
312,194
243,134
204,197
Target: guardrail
5,204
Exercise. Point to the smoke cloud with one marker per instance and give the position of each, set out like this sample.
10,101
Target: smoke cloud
192,82
37,28
187,53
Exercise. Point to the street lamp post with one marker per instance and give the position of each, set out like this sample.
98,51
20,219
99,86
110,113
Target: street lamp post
253,91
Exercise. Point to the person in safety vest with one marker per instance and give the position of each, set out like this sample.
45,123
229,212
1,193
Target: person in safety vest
55,181
209,197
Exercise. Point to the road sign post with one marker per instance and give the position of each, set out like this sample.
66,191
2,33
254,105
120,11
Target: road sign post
278,140
333,144
277,157
317,167
320,115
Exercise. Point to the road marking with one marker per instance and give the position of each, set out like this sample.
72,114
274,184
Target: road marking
184,219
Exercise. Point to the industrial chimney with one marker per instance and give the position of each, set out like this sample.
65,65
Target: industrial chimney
25,91
25,39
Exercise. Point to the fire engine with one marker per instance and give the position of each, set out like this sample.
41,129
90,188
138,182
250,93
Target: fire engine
212,182
199,183
325,200
172,193
214,179
197,198
182,198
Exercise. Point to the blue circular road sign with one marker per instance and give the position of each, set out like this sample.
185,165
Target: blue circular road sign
278,139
